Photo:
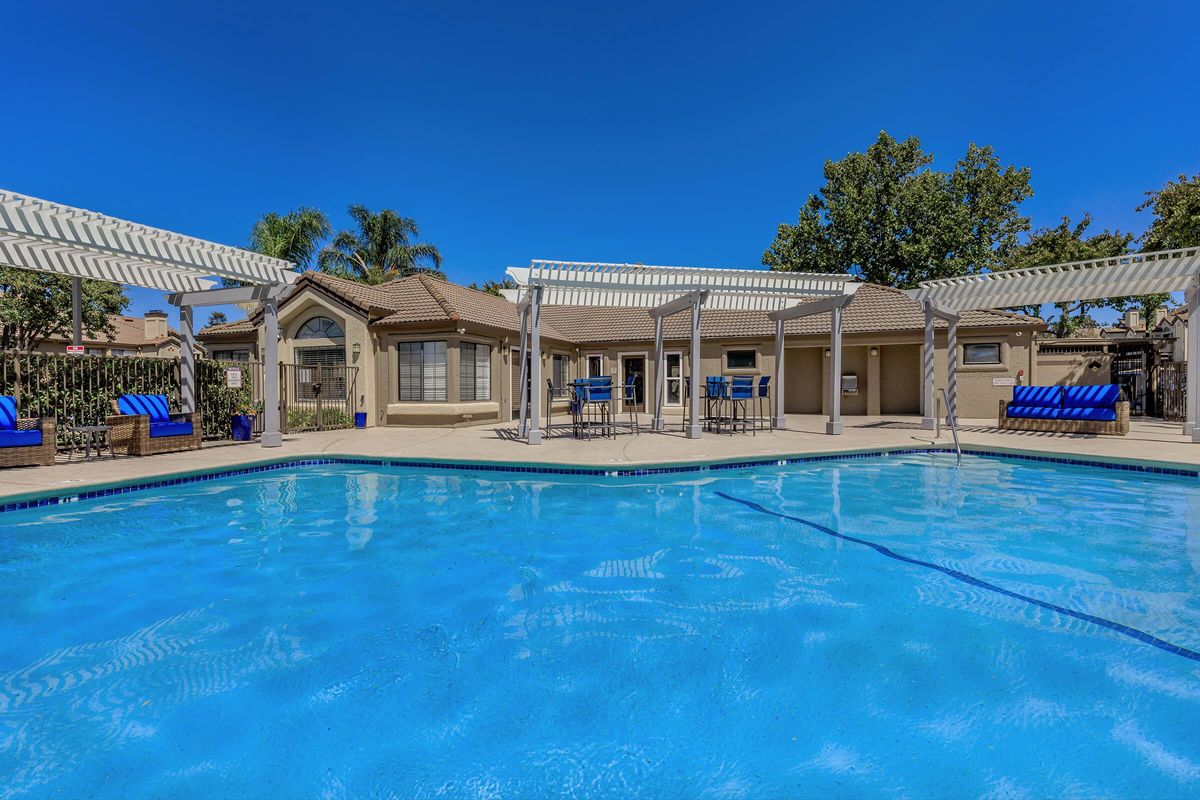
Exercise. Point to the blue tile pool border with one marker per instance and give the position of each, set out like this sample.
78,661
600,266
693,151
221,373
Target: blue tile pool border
551,469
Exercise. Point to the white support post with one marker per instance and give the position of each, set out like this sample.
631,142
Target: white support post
77,311
952,368
187,361
660,378
271,435
834,426
1191,427
779,422
523,372
928,353
695,429
534,434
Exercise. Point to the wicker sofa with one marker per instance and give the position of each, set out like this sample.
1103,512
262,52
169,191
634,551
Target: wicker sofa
1069,409
142,425
25,442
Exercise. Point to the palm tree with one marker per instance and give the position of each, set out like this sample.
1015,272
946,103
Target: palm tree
293,237
381,250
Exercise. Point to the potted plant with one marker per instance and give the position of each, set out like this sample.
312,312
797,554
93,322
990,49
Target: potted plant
242,420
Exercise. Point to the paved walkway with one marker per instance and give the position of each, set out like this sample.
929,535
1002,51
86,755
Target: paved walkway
1148,441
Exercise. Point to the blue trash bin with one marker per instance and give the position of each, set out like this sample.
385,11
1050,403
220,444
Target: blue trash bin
360,419
243,427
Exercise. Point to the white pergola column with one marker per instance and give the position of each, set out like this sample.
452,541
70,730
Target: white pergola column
77,311
1191,426
952,368
695,429
523,372
928,354
834,426
534,434
660,378
187,361
271,435
779,421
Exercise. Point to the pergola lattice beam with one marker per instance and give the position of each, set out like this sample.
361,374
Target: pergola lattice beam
60,260
29,222
1095,279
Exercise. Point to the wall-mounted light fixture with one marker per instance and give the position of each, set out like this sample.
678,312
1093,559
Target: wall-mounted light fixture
874,351
828,352
356,348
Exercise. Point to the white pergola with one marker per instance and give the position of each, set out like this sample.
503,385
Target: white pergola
1096,279
665,291
49,237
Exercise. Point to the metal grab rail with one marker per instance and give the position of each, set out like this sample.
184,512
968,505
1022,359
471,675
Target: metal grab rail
950,418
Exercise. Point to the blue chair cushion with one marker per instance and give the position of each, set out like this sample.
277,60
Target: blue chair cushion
158,429
1090,414
763,383
151,405
1103,396
9,438
1037,396
1032,412
8,413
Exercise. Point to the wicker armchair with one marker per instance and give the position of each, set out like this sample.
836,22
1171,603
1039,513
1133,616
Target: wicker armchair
148,434
25,442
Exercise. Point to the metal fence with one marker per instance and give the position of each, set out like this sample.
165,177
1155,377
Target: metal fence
79,390
317,397
1171,388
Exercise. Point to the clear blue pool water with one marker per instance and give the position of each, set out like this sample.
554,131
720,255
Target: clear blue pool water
360,631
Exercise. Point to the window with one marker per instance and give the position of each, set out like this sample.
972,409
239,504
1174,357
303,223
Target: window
320,371
122,353
95,351
422,371
561,372
320,328
981,353
741,359
231,355
674,379
595,366
474,371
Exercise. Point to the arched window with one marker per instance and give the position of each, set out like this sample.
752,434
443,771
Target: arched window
320,328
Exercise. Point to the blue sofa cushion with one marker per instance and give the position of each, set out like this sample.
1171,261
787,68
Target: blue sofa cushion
10,438
1090,414
170,429
8,413
151,405
1037,396
1104,396
1032,412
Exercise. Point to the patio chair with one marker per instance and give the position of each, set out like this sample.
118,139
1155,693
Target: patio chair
594,396
716,393
764,399
629,398
741,394
142,425
25,442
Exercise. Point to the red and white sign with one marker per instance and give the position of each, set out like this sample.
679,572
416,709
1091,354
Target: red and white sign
75,349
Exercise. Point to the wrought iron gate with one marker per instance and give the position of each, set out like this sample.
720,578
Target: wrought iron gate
1171,386
317,397
1130,371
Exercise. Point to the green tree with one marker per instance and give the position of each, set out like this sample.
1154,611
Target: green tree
1176,209
494,287
35,305
1065,242
381,250
888,217
294,236
216,318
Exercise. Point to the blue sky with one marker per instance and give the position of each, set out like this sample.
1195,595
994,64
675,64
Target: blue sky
672,133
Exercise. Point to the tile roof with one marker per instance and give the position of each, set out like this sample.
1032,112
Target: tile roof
875,309
126,331
228,328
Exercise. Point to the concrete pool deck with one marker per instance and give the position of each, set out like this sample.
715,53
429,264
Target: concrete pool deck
1149,441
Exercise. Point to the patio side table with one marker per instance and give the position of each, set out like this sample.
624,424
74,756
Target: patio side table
91,431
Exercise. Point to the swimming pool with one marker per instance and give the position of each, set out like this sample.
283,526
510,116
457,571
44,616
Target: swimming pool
856,627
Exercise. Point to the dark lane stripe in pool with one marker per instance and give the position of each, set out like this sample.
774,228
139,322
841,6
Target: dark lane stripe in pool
1124,630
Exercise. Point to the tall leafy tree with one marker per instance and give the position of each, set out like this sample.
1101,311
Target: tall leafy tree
382,249
1065,242
887,216
1176,208
294,236
35,305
